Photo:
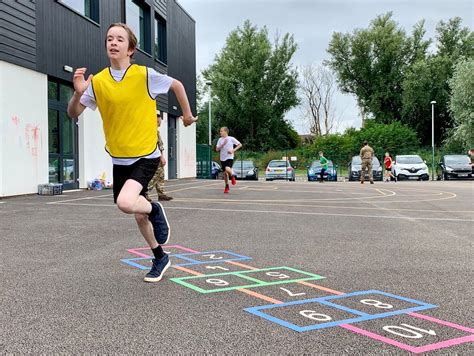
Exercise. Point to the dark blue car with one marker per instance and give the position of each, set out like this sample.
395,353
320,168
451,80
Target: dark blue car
314,172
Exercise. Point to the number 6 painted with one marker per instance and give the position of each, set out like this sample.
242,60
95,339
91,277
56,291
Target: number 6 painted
217,282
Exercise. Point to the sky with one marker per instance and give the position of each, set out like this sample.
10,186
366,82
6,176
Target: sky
312,22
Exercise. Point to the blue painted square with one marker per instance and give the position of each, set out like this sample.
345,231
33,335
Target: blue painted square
193,257
326,301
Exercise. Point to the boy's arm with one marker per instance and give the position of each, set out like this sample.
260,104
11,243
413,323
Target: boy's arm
180,93
75,108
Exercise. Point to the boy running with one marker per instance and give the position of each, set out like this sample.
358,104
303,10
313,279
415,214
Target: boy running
125,94
324,165
388,167
225,146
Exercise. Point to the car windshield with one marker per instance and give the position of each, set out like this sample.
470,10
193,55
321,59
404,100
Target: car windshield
356,160
317,164
409,160
243,164
274,164
457,160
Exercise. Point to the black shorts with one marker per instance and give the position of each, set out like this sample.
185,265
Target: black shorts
141,171
227,163
388,169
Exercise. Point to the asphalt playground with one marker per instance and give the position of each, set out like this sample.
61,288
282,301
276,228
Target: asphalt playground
271,268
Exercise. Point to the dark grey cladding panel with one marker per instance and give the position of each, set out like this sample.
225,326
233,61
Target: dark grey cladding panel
18,32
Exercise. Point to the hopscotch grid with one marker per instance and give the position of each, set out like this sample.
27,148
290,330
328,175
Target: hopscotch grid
419,349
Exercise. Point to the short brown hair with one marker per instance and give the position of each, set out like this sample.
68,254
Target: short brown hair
132,39
225,128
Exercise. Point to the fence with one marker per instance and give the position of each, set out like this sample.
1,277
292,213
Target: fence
203,162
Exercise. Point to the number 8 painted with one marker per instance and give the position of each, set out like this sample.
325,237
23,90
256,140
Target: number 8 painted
376,303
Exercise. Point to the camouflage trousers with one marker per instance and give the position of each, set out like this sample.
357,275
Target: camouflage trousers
366,165
158,181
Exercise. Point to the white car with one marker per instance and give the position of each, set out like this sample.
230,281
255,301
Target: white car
410,167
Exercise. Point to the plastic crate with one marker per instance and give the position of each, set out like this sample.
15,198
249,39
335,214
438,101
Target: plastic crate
50,189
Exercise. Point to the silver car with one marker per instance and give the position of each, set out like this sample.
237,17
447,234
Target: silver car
280,169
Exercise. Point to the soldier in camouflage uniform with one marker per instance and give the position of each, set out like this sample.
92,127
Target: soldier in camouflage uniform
366,155
158,180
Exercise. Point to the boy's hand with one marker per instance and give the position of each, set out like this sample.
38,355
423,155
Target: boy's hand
225,142
80,84
189,120
163,160
230,151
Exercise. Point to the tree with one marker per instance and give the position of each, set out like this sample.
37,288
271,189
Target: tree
318,87
370,64
255,85
461,104
428,79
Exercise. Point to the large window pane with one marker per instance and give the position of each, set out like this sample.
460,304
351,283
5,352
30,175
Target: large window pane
138,19
52,90
65,93
68,171
68,134
87,8
53,131
53,170
160,39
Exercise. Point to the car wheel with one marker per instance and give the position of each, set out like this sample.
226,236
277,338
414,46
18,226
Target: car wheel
445,176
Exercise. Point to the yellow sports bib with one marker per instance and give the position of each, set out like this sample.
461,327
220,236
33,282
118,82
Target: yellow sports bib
128,112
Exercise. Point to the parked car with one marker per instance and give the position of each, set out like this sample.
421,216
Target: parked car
245,170
410,167
454,166
216,169
280,169
355,167
314,172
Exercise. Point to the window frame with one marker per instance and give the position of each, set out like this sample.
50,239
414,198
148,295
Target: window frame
94,10
146,43
160,30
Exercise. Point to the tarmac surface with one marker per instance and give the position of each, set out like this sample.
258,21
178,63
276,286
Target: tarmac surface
297,267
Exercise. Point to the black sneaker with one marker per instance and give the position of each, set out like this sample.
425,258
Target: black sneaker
161,228
158,269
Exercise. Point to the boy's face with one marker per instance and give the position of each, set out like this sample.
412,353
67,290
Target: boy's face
223,133
117,43
320,154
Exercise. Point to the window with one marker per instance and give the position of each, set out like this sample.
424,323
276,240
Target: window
160,39
138,19
87,8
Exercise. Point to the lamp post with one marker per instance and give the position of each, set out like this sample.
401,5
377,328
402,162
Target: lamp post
209,83
432,141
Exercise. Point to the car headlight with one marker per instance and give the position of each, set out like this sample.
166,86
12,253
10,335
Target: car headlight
250,172
449,169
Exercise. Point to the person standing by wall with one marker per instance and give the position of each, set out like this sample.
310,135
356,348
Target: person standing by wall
158,180
366,155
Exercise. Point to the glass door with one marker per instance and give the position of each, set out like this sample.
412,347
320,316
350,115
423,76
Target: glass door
63,137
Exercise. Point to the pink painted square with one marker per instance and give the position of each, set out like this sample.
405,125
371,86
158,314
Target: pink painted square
420,333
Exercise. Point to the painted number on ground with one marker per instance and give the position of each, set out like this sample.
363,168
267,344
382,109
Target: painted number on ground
290,293
376,303
408,331
213,257
217,282
277,275
217,267
311,314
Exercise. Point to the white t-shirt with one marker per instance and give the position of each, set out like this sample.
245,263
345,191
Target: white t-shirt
226,147
157,84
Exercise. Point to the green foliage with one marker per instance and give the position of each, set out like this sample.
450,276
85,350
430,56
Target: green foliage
394,78
255,84
462,105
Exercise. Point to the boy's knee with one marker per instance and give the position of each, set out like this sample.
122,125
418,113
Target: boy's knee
125,205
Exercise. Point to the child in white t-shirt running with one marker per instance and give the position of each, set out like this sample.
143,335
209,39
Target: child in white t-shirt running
227,146
125,95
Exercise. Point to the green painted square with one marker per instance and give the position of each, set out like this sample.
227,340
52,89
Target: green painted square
219,280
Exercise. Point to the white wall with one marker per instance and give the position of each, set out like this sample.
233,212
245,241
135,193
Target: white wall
93,159
186,150
23,130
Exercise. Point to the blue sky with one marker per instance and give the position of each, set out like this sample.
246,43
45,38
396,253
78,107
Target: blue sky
312,23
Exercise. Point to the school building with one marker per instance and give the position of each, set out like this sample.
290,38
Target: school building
41,44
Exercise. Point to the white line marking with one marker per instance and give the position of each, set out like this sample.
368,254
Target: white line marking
290,213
